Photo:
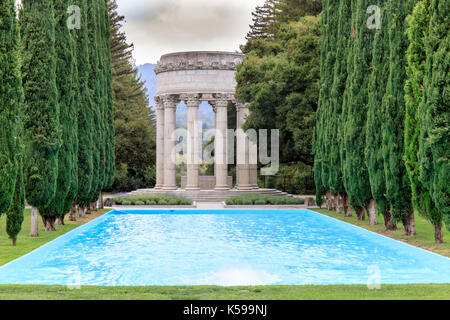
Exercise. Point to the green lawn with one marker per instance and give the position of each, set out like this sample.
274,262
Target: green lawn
26,244
387,292
423,239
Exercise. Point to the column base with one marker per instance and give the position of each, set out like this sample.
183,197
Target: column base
245,187
169,188
192,188
222,188
158,187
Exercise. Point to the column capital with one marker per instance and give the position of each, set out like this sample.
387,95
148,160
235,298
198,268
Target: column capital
222,99
241,105
170,100
191,99
159,103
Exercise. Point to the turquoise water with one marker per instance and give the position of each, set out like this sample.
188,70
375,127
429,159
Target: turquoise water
233,247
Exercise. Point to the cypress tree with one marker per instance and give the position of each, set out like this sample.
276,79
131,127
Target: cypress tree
418,24
325,100
42,130
434,113
377,88
109,112
319,130
398,186
64,82
342,131
10,100
358,186
336,98
85,114
95,81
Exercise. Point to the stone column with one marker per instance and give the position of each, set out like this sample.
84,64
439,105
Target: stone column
170,166
242,150
159,143
193,103
220,142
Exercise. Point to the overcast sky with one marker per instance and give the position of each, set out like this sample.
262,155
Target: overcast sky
157,27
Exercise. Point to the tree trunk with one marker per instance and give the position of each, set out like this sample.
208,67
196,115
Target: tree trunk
14,242
337,203
49,223
346,204
34,230
329,200
59,221
73,213
100,204
81,212
438,235
371,212
409,225
389,222
360,213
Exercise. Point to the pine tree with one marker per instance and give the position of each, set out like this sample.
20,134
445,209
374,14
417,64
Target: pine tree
336,99
292,10
358,186
15,214
398,186
434,113
65,69
263,21
377,87
10,100
85,116
42,130
134,121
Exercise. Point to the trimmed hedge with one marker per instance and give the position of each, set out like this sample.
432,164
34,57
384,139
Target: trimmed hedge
258,199
152,200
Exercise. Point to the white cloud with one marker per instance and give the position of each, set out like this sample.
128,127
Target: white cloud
157,27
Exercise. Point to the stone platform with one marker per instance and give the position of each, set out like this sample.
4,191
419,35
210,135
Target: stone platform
210,195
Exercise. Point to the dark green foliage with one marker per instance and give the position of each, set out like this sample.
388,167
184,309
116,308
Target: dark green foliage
376,90
42,129
398,188
152,199
134,121
260,199
65,64
10,100
85,117
357,181
434,111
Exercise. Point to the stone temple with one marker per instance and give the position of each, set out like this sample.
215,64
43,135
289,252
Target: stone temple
194,77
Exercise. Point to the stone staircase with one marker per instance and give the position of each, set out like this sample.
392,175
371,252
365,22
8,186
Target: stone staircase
210,195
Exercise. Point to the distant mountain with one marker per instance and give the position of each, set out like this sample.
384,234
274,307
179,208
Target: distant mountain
206,113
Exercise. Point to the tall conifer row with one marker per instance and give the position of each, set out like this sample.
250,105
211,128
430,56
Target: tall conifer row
434,112
398,186
325,100
42,130
418,24
94,86
318,136
377,88
358,186
337,90
10,100
343,127
85,114
64,82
